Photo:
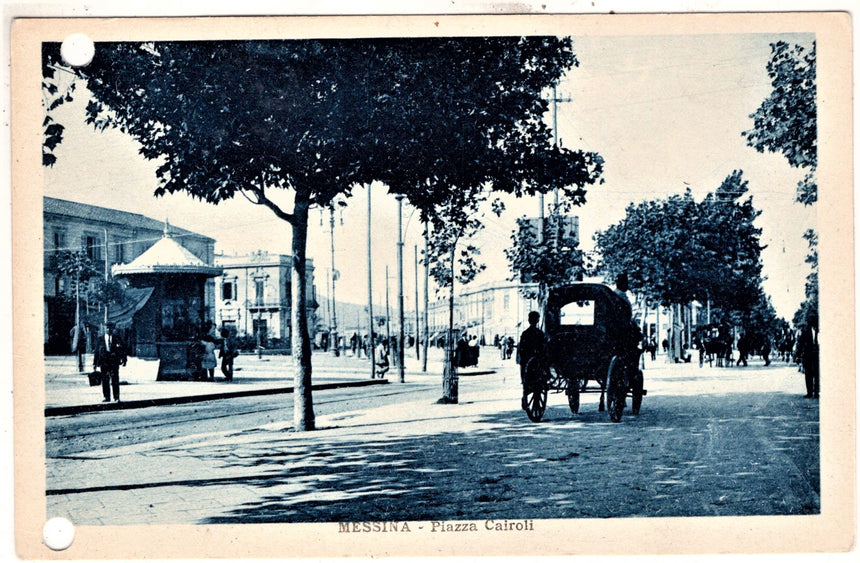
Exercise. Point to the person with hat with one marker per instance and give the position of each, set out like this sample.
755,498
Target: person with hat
532,344
110,353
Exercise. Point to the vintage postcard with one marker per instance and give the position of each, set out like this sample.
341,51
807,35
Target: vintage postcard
497,285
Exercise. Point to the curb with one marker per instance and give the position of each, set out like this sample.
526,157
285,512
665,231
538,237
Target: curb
143,403
471,373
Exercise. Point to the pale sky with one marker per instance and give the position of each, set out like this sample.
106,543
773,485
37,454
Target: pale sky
664,112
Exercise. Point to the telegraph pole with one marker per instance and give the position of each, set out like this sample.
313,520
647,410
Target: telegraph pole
426,295
417,330
334,277
555,100
401,344
107,276
387,314
371,340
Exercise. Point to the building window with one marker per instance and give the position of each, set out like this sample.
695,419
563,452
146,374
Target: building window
93,246
59,240
260,287
227,291
120,255
507,302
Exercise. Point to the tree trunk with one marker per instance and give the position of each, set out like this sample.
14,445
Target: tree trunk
303,410
450,384
677,331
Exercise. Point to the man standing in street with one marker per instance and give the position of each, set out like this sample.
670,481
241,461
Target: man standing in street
228,353
532,343
807,352
109,355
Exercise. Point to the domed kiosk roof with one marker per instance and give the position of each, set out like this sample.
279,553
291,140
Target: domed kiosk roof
167,256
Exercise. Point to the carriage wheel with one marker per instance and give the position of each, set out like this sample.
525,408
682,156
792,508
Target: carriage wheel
615,390
535,390
575,386
536,404
637,391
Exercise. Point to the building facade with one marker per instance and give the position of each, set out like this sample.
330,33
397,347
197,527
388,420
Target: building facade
107,237
495,309
253,297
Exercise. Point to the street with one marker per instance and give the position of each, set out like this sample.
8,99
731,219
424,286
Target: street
708,442
103,430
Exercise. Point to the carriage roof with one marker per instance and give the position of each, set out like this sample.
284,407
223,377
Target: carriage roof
609,307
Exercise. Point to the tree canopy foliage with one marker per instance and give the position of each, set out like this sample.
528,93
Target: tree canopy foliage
426,116
807,313
786,121
677,250
548,258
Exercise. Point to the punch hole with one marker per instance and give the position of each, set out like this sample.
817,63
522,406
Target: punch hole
78,49
58,533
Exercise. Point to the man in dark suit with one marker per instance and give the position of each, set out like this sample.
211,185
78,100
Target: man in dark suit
109,355
532,344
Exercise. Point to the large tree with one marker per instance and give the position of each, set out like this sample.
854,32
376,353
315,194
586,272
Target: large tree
545,255
807,313
453,261
313,118
677,250
786,121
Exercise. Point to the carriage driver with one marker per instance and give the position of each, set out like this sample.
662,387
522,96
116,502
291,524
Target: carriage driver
632,337
532,343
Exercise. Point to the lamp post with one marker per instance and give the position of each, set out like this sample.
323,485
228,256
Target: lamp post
260,278
400,313
334,276
370,337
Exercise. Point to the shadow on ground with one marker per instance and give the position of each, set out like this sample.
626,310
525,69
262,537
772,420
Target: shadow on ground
758,455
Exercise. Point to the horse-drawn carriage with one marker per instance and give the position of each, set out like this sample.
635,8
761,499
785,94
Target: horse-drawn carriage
592,346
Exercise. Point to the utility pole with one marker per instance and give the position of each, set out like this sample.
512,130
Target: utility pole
426,295
334,277
107,276
417,330
401,344
387,314
78,332
555,100
371,353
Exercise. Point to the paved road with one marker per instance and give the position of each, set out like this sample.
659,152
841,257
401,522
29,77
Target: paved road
69,435
709,442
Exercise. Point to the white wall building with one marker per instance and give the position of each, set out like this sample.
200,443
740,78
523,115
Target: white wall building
486,311
254,295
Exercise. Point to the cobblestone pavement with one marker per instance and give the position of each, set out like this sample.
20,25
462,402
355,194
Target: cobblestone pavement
709,442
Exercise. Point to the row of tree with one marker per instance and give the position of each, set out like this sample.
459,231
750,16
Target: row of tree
678,250
438,120
442,122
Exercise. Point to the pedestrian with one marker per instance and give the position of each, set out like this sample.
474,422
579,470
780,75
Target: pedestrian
622,285
462,351
382,363
228,353
509,347
110,354
807,352
765,349
743,350
532,344
208,361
